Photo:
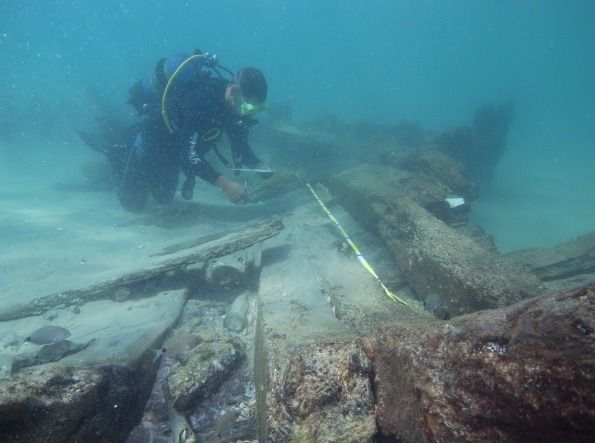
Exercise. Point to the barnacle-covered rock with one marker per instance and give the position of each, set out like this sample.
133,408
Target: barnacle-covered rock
525,373
320,392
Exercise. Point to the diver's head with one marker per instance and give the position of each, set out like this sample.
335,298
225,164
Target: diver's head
247,92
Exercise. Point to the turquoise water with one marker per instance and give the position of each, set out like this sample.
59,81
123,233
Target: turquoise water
432,62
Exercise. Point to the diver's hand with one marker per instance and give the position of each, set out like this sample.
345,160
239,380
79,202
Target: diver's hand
234,191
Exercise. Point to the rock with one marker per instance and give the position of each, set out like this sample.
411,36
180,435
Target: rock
519,374
316,384
97,388
57,404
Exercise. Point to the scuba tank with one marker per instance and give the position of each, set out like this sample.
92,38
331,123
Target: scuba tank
150,95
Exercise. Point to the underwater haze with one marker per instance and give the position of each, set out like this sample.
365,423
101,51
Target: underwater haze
138,304
433,62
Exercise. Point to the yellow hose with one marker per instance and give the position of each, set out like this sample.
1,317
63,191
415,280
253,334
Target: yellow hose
355,249
168,86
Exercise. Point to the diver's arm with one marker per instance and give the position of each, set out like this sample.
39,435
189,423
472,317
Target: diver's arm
192,148
193,161
243,156
193,151
242,153
194,164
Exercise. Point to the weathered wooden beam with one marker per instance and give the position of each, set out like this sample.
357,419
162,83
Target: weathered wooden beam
437,261
567,260
168,267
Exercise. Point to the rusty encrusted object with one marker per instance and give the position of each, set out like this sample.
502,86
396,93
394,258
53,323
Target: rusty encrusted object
522,373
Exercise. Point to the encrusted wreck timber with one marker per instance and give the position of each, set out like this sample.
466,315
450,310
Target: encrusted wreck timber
201,374
433,165
437,261
562,266
525,373
320,392
372,182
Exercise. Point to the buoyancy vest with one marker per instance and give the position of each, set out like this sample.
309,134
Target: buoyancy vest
171,75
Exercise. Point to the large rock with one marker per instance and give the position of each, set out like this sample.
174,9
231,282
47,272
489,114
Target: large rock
98,393
56,404
320,392
441,264
525,373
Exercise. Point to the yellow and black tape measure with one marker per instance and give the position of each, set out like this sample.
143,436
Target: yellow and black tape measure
355,249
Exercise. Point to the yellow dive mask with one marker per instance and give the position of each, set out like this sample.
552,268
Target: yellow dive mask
247,108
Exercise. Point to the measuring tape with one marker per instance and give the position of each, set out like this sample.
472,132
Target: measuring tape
359,255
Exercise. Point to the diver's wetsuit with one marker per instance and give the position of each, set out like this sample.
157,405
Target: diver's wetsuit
157,155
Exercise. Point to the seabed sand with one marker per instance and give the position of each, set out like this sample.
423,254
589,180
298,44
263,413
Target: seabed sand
54,240
537,201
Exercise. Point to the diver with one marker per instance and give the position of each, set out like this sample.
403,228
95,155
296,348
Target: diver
185,110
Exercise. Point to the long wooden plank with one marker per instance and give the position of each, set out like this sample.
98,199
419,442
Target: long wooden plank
150,277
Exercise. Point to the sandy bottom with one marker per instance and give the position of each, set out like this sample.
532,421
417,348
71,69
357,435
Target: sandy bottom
538,201
53,240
